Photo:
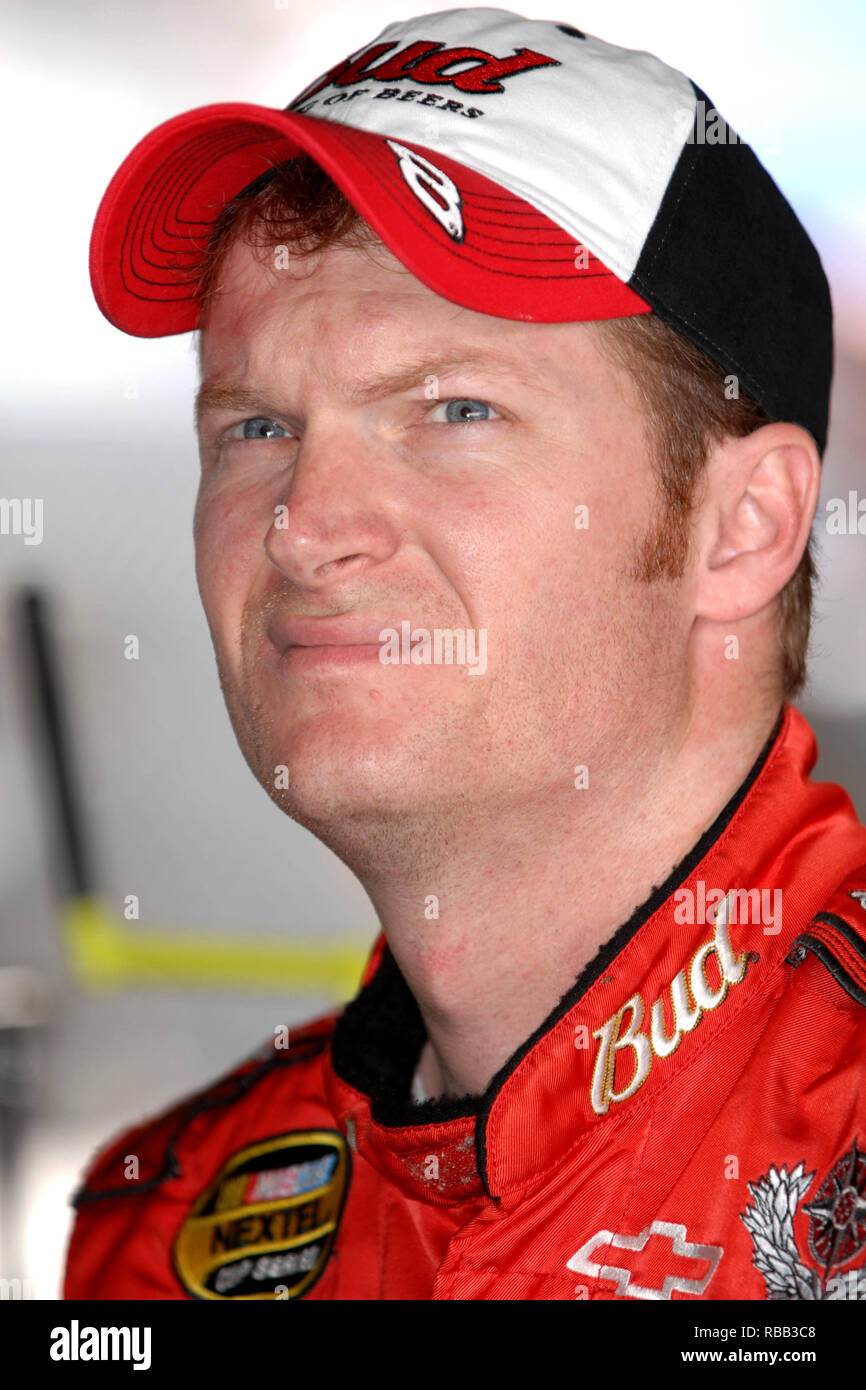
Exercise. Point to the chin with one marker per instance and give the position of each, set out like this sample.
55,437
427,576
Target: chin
333,769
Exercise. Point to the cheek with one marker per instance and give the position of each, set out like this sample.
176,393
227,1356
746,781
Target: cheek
228,553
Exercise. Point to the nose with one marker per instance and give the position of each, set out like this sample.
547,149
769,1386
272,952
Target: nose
338,517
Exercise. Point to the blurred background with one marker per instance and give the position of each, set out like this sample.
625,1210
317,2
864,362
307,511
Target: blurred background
99,426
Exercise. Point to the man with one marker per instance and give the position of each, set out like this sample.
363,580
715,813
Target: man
515,377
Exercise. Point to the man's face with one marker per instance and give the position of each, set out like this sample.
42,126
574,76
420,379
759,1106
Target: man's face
355,490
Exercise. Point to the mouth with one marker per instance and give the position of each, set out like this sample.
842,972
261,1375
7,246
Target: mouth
301,656
342,641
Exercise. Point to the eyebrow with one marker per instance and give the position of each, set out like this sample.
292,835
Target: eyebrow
227,395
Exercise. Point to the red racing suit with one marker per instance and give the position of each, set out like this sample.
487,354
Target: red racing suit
688,1123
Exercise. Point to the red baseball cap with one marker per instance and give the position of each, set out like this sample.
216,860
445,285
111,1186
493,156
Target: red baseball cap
520,168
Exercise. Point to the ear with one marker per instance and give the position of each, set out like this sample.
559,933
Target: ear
753,522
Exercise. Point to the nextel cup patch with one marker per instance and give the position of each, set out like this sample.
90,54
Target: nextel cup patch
265,1226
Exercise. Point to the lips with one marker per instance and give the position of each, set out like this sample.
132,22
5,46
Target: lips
285,631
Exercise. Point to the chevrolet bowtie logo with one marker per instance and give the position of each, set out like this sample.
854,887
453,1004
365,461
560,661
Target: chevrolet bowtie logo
650,1262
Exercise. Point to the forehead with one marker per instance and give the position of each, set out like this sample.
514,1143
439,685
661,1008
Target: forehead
349,306
272,291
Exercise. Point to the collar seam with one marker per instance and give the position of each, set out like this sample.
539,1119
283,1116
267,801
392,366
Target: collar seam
607,954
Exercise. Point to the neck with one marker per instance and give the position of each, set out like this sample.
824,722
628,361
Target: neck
492,917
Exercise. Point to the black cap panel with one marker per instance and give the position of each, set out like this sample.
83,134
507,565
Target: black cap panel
708,268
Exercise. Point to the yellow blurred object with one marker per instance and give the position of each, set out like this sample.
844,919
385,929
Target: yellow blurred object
104,953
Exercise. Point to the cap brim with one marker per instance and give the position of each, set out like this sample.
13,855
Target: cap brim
157,215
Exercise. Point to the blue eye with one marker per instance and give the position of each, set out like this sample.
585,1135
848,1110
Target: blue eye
271,430
463,410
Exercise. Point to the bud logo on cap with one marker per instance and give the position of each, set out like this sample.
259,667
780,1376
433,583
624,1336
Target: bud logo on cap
428,62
